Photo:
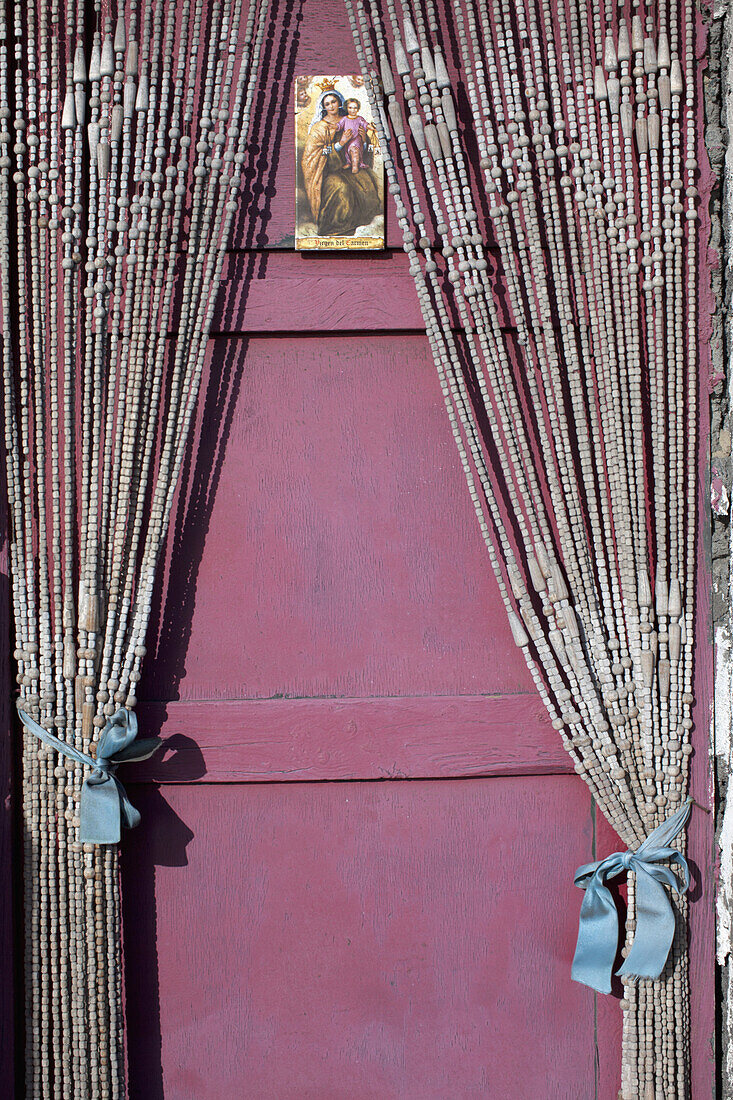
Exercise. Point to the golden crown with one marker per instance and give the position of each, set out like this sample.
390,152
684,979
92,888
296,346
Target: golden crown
327,84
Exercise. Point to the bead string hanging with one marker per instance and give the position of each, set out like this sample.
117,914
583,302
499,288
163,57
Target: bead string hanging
575,228
123,133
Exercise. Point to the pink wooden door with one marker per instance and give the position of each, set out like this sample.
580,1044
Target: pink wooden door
353,880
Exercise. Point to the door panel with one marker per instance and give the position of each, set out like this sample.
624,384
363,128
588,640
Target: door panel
359,941
342,555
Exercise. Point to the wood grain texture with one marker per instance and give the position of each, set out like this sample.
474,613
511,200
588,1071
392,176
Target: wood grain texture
307,292
393,941
316,739
287,292
325,543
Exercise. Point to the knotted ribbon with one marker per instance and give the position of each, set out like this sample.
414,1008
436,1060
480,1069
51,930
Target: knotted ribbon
655,922
104,806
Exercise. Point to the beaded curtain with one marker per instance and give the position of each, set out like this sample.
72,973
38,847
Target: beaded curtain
123,131
541,158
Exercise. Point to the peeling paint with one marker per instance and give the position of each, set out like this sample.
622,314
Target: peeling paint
723,747
719,499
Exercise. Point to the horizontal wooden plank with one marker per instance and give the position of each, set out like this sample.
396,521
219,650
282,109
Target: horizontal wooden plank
257,741
312,36
284,292
306,292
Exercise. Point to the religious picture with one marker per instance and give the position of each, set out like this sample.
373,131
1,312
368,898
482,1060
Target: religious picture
339,179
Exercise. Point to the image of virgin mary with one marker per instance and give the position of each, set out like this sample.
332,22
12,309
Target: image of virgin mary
340,199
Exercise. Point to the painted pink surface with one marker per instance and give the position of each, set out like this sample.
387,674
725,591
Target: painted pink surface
359,941
700,832
287,291
330,546
399,738
314,292
330,553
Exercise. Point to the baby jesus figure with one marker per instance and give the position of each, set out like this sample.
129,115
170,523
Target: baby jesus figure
351,134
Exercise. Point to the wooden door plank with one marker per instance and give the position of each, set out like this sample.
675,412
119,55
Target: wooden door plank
326,544
370,941
307,292
319,739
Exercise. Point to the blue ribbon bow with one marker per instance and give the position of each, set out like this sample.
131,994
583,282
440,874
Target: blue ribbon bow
598,928
104,807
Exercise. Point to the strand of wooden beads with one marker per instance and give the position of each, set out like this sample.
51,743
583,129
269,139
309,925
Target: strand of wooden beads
676,411
608,152
138,117
522,183
593,473
435,332
253,41
550,205
626,607
610,697
627,246
95,356
687,88
607,178
65,1045
49,62
33,774
17,487
525,200
172,202
652,998
220,219
484,329
139,232
475,298
542,348
514,195
39,180
140,277
72,889
418,286
612,171
73,204
120,119
145,226
36,356
462,399
135,499
111,932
